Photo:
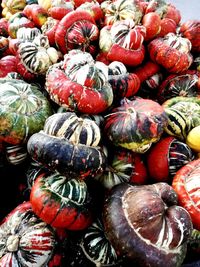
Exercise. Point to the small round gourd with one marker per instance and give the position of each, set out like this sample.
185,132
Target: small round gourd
28,34
183,115
36,55
193,139
166,157
92,248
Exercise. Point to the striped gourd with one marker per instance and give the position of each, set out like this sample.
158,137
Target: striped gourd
120,168
77,130
97,247
73,192
27,34
16,154
190,109
178,124
37,56
23,110
194,241
179,155
116,68
83,69
61,203
183,115
33,171
25,240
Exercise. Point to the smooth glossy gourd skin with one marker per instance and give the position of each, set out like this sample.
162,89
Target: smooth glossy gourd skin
144,224
66,158
186,184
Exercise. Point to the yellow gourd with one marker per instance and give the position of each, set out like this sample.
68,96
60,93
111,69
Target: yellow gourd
193,139
10,7
46,4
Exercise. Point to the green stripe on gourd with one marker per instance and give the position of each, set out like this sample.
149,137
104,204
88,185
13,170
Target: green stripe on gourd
191,110
23,110
177,123
194,240
97,247
37,56
183,115
73,191
119,170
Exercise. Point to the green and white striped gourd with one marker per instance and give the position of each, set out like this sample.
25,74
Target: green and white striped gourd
23,110
37,56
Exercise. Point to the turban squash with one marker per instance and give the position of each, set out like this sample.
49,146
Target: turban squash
23,110
61,203
172,52
26,240
145,224
69,145
183,115
136,124
80,83
186,184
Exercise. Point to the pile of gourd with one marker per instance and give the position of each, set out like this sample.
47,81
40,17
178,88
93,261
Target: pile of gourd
99,134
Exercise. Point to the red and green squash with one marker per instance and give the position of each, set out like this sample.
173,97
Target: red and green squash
136,124
61,203
183,115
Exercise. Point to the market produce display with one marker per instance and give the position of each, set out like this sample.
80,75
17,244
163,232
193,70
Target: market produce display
99,134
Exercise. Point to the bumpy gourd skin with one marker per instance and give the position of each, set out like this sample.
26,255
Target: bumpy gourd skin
171,52
80,84
144,224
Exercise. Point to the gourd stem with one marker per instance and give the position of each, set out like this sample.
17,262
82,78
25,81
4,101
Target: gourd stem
12,243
